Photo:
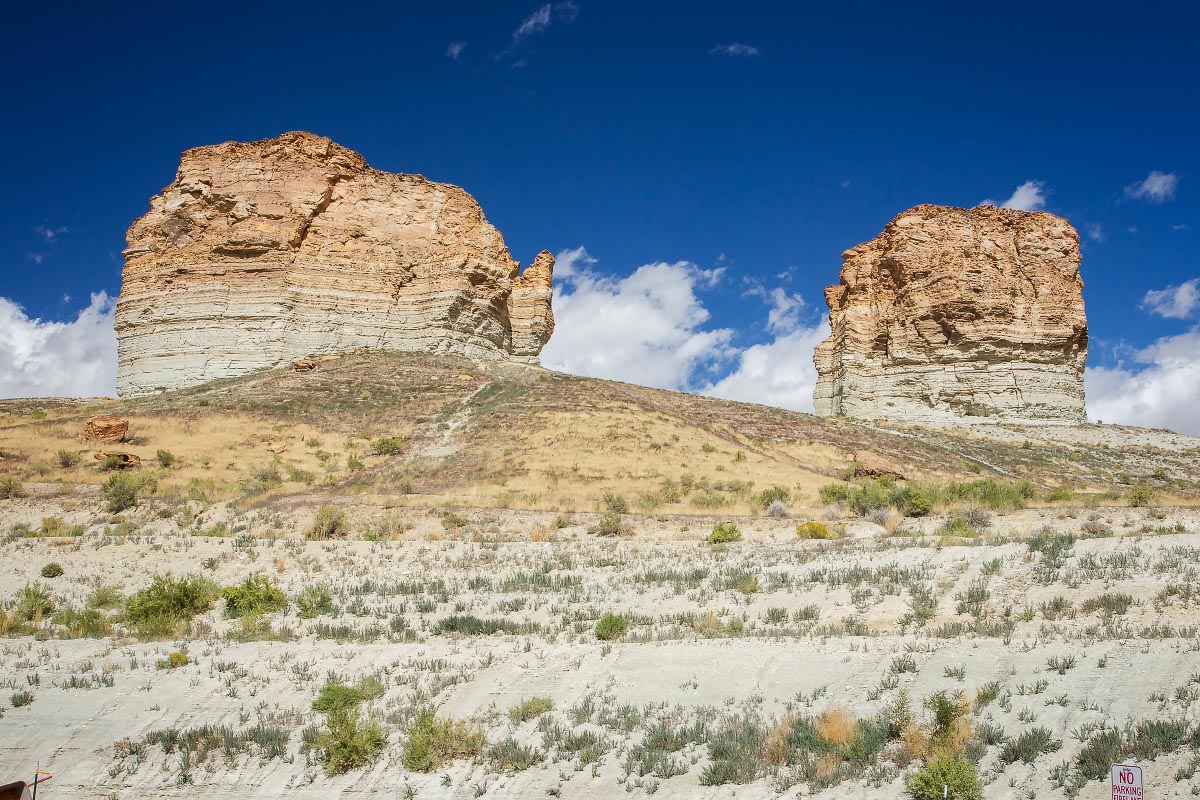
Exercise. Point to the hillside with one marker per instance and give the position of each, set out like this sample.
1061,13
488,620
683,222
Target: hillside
411,575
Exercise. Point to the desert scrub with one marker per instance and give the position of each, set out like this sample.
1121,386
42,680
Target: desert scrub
1142,496
611,524
725,532
347,741
254,596
434,742
529,709
165,458
330,523
472,625
34,602
816,530
776,494
10,487
389,445
954,775
52,570
67,458
161,609
123,490
173,661
611,626
1028,746
313,601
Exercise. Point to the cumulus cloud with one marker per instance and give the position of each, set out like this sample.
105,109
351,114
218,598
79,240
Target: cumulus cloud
58,359
1174,302
1157,187
649,328
776,373
646,328
454,50
736,49
1029,196
1161,394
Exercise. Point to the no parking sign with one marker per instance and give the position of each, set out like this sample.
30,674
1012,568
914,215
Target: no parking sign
1126,782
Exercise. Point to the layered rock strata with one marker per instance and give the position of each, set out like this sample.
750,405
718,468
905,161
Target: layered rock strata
263,253
957,315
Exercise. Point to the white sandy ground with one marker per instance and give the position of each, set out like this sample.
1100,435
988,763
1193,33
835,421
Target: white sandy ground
665,659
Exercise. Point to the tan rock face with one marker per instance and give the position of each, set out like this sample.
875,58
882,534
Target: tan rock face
955,315
263,253
103,428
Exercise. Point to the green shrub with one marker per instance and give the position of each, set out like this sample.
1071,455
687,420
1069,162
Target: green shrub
161,609
389,445
254,596
330,523
57,526
611,524
10,487
611,626
1028,746
472,625
165,458
776,494
816,530
313,601
958,775
433,742
509,755
1142,496
354,464
34,602
90,623
52,570
335,698
347,742
725,532
21,697
615,503
67,458
122,490
112,463
530,709
173,661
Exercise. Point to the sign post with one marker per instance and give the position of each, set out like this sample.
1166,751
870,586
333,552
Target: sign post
1126,782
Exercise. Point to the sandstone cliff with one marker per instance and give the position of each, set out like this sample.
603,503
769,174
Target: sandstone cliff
956,314
265,252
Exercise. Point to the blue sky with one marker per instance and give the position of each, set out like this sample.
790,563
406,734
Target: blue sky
730,151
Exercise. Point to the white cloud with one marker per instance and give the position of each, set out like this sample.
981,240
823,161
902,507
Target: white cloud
1029,196
777,373
1162,394
566,12
649,328
1095,232
58,359
50,233
536,22
1157,187
735,49
454,49
646,328
1174,302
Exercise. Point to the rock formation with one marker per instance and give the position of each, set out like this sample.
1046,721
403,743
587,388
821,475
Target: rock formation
264,253
103,428
957,315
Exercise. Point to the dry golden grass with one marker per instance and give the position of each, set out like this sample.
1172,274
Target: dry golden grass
913,740
777,752
836,726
